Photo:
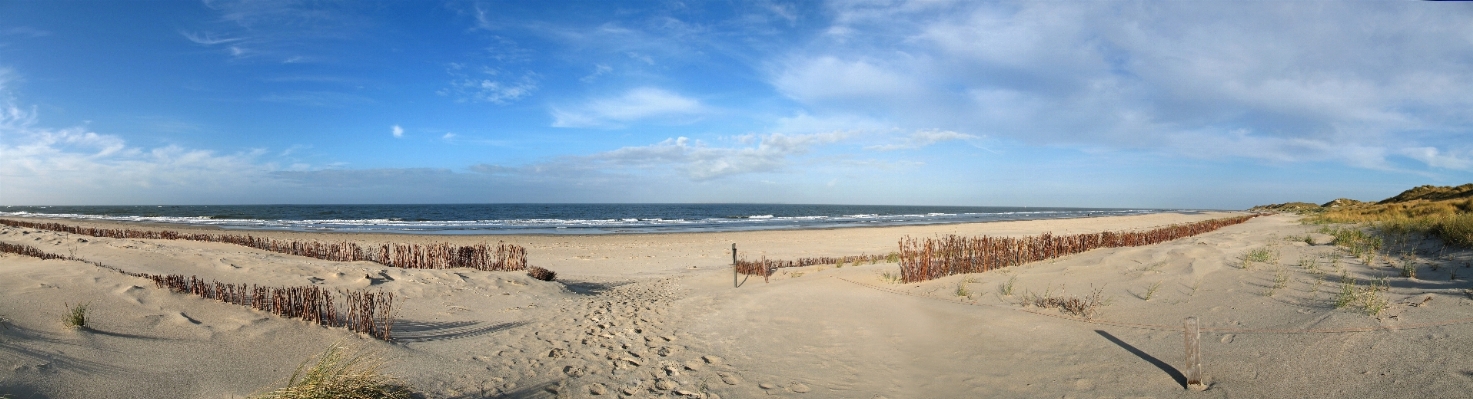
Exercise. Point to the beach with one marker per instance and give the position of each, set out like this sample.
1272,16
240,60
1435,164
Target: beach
663,315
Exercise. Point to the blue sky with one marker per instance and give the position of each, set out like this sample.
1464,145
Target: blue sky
1091,104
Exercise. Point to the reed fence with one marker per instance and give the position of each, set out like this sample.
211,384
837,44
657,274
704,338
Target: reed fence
362,311
764,267
932,258
499,257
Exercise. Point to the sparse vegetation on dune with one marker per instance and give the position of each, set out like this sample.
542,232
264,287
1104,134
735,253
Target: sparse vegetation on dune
76,316
1085,307
1441,211
339,373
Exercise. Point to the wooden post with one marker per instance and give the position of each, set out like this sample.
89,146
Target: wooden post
1194,355
733,266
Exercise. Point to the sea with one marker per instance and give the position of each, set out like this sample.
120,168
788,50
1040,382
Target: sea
556,218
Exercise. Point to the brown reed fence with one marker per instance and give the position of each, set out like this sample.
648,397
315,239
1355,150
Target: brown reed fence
764,267
932,258
360,311
499,257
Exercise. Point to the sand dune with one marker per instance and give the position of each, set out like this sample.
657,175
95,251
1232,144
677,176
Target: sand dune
658,315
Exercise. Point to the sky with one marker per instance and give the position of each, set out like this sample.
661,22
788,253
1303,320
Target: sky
1205,105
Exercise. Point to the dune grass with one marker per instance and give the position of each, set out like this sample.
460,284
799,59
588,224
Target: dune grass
1450,220
76,316
338,373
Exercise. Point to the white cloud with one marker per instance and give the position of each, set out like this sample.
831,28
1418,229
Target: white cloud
699,161
1289,83
490,85
645,103
924,138
397,131
207,38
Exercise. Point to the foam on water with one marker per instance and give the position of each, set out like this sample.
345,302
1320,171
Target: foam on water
552,218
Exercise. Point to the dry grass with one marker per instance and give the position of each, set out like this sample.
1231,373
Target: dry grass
338,373
1086,307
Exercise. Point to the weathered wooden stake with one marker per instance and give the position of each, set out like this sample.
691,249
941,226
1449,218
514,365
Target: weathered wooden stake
1194,356
733,266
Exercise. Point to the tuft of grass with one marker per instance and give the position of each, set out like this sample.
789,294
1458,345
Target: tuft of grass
1309,264
1347,294
1372,301
1260,255
1151,291
890,277
893,257
1086,307
1195,287
961,289
1409,270
340,374
1007,288
796,274
76,316
839,264
1281,280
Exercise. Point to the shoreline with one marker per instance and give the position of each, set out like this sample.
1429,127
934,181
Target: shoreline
612,255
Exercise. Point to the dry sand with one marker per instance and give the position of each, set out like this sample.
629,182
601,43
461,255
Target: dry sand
657,315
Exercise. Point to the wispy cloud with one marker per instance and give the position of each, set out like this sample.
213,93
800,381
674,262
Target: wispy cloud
488,85
924,138
277,30
205,38
640,104
397,131
700,161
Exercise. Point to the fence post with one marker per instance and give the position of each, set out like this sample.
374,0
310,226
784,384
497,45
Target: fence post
733,266
1193,335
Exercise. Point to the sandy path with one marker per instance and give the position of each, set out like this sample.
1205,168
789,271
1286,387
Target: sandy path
673,325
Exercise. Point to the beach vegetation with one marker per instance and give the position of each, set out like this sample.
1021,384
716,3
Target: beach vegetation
339,373
890,277
1151,291
1195,286
1259,255
1409,269
1372,301
1085,307
76,316
1309,264
1006,288
961,289
1347,294
541,273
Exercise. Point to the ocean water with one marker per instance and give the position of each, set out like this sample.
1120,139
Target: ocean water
554,218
